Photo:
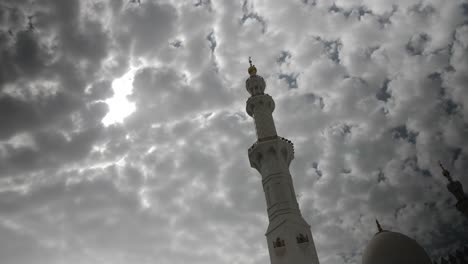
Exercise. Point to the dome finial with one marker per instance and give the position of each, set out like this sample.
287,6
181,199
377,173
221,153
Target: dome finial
445,172
379,227
252,70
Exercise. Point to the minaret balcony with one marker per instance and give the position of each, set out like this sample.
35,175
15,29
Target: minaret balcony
261,102
271,156
255,85
279,247
302,241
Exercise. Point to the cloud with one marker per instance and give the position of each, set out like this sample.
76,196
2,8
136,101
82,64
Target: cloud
144,29
163,94
372,93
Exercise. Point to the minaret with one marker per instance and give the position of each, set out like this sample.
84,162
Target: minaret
288,235
456,188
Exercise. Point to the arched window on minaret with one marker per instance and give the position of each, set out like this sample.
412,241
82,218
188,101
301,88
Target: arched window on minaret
302,239
278,243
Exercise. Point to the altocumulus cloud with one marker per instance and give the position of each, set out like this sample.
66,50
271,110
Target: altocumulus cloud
372,93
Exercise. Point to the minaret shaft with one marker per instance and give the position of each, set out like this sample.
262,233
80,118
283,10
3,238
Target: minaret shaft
288,235
261,107
280,196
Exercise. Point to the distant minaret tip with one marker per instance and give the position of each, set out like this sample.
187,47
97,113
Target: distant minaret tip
445,172
379,227
252,70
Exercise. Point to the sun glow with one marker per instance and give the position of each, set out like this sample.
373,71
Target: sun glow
119,106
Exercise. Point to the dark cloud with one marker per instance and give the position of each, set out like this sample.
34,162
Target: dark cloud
284,56
402,132
290,79
143,29
100,90
163,94
383,94
23,58
50,150
14,245
417,44
212,41
379,97
19,115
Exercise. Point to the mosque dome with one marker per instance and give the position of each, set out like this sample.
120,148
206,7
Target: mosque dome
394,248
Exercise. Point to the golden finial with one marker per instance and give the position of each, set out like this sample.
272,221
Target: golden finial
252,70
445,172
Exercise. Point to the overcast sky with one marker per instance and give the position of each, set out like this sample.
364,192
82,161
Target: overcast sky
124,137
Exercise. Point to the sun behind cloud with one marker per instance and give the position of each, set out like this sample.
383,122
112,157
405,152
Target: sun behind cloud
119,106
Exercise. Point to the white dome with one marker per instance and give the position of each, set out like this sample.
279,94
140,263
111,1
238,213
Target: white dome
394,248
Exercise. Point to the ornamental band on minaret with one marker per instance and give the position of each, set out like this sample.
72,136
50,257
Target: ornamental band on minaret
288,235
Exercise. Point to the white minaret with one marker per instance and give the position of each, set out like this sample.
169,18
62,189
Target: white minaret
288,235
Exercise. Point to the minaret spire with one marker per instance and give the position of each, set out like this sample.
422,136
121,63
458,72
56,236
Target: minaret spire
456,188
379,227
445,172
252,69
288,235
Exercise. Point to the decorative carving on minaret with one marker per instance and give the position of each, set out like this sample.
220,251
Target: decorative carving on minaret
279,243
302,239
